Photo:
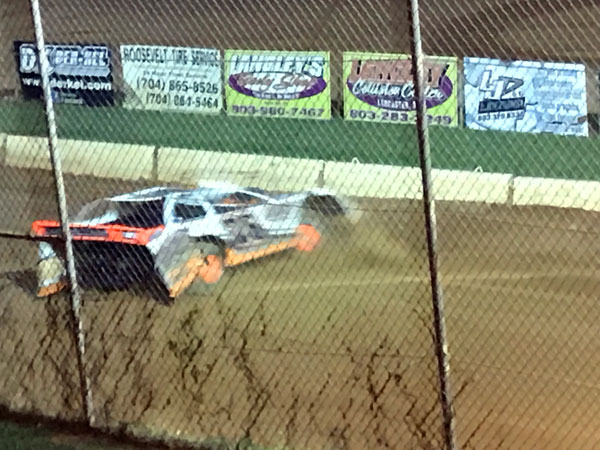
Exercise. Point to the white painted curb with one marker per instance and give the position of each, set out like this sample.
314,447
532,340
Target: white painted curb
458,185
354,179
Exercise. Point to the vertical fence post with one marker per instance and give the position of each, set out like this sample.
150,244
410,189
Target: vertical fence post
441,343
62,209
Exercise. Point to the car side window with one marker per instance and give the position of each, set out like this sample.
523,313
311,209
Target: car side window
223,209
185,211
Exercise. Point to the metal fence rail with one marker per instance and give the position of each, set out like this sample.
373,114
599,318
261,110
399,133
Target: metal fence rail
464,164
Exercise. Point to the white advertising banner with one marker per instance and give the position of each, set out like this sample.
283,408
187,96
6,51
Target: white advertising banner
172,78
525,96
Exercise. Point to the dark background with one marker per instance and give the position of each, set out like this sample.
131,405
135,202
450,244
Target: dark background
563,30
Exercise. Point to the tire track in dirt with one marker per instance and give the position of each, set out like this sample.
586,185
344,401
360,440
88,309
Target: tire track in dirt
229,361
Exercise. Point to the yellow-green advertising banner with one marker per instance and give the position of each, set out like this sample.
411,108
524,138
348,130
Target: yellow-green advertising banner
285,84
379,87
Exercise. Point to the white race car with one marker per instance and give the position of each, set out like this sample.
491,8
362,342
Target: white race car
185,236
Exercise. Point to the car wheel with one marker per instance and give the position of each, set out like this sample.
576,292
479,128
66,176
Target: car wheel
308,238
210,273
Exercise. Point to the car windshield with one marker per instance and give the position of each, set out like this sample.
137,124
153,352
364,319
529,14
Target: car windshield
139,214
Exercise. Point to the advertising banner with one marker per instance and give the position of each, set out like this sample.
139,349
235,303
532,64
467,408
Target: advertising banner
79,73
284,84
378,87
525,96
172,78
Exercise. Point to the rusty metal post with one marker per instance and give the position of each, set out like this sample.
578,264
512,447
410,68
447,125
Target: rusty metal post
62,209
441,340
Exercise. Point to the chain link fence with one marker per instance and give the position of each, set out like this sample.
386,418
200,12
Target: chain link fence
516,269
37,349
257,265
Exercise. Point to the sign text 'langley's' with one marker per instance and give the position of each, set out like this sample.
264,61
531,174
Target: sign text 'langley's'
278,77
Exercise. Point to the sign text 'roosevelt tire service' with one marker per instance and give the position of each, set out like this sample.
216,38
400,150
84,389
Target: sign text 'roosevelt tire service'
284,84
172,78
79,73
525,96
378,87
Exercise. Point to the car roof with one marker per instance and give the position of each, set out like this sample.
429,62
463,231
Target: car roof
211,191
153,193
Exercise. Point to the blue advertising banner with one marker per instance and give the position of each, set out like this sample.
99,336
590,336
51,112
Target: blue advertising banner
525,96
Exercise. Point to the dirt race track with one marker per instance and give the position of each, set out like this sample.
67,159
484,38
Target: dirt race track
330,349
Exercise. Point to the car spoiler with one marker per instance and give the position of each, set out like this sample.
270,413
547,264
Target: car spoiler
51,229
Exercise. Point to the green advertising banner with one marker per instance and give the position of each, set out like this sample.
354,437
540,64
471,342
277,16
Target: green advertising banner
285,84
378,87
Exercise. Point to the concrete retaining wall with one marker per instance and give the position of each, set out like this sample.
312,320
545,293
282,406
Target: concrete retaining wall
187,167
268,172
555,192
100,159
